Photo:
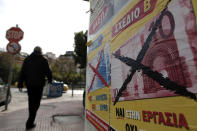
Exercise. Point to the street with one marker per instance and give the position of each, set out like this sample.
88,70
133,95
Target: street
20,99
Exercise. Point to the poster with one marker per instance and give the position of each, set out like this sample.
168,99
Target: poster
156,66
98,86
99,81
99,70
161,93
101,12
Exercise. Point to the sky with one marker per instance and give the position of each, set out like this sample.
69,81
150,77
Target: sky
50,24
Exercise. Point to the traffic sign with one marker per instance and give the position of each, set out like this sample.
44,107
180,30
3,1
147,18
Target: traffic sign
14,34
13,48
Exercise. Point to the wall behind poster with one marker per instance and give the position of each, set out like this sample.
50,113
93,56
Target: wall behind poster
145,105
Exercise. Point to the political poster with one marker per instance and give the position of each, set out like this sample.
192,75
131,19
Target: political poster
98,81
99,70
101,12
142,65
156,66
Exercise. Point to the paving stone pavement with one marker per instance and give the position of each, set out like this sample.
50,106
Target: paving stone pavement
15,121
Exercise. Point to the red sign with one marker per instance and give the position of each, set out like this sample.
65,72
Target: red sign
98,21
134,15
13,48
14,34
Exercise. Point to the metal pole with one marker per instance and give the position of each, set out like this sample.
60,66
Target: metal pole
72,90
80,77
9,80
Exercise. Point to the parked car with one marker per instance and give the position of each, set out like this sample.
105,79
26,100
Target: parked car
16,85
3,93
65,87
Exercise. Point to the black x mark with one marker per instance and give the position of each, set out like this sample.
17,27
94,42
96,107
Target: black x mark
156,76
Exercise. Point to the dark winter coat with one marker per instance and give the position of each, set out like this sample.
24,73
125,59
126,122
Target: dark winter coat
34,70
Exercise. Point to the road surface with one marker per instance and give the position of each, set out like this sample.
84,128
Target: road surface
20,99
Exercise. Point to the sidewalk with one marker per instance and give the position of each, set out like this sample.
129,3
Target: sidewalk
58,114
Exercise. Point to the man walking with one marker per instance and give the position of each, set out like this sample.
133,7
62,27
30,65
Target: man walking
34,70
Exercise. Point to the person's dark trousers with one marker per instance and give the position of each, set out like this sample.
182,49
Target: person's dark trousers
34,98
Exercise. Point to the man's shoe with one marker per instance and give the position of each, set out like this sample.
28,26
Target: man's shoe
30,126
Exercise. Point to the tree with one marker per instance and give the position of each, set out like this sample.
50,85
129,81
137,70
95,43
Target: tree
5,62
63,69
80,49
16,71
4,65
